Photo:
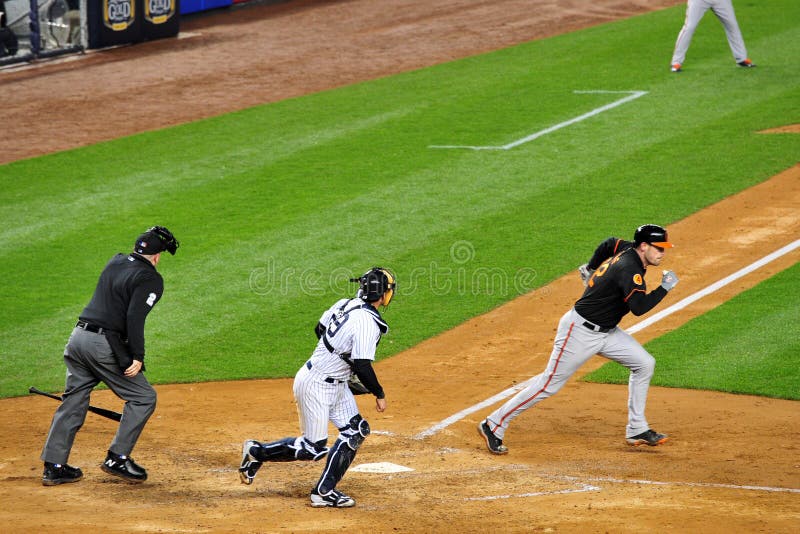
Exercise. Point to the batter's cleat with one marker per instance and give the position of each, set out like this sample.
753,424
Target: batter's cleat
124,467
746,63
249,466
676,67
55,474
651,437
493,443
334,499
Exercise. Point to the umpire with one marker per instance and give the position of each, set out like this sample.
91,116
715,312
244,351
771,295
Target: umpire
107,345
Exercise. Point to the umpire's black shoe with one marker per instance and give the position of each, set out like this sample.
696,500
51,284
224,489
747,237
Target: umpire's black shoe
493,443
55,474
124,467
651,437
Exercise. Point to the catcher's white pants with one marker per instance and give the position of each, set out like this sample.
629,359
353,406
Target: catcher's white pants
695,10
319,401
574,344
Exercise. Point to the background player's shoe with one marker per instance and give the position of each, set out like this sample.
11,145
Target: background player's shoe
676,67
746,63
249,466
493,443
334,499
650,437
55,474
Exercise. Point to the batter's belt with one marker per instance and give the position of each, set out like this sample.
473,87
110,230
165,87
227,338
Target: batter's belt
597,328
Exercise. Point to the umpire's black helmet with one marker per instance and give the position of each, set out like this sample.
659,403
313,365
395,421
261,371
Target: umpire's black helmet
156,239
375,283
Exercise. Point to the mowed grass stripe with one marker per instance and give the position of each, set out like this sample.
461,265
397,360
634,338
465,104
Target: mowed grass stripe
341,180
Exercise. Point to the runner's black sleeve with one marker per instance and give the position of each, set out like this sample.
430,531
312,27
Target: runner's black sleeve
364,371
639,303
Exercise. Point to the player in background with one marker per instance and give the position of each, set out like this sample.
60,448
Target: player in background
348,332
723,9
615,285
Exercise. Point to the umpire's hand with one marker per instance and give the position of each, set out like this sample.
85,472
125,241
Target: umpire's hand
134,369
380,404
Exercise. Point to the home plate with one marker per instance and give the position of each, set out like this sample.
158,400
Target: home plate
380,467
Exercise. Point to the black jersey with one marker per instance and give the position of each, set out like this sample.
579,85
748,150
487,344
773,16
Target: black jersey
617,285
127,290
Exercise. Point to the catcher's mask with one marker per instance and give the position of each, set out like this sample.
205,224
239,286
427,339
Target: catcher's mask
374,284
156,239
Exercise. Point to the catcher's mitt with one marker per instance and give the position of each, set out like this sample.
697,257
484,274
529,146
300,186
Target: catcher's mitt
355,385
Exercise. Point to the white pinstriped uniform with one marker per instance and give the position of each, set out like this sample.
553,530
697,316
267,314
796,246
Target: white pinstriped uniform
352,328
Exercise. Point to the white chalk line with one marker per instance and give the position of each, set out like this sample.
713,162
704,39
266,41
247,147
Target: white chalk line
585,487
632,95
585,483
689,484
635,328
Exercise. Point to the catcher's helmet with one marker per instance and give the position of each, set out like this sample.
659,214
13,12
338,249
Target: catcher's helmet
156,239
375,283
652,234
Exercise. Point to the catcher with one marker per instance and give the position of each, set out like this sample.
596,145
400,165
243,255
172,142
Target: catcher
341,366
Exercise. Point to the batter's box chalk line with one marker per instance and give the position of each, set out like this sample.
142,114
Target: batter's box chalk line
632,95
688,484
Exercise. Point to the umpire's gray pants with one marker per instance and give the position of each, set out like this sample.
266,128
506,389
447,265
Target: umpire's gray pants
90,361
574,344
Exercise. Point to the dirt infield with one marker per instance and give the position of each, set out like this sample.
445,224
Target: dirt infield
733,464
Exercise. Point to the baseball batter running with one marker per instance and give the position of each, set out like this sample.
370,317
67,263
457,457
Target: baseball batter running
723,9
615,285
348,332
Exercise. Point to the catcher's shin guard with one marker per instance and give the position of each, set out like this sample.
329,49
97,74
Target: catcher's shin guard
340,457
342,453
289,450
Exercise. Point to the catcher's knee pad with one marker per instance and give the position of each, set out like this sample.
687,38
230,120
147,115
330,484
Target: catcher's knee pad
355,432
309,450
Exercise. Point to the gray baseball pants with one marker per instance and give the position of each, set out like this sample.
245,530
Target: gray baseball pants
574,344
90,361
723,9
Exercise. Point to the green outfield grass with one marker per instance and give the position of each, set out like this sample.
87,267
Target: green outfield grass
278,205
747,345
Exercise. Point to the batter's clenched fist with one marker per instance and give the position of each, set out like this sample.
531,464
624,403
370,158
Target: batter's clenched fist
669,280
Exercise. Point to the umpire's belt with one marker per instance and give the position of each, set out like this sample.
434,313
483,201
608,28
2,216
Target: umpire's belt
597,328
327,379
89,327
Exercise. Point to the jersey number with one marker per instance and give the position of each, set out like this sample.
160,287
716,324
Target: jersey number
336,323
603,268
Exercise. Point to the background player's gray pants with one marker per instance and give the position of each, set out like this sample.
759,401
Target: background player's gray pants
89,361
574,345
695,10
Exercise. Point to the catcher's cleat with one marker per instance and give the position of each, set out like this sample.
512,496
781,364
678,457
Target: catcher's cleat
493,443
249,466
746,63
334,499
650,437
55,474
676,67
